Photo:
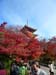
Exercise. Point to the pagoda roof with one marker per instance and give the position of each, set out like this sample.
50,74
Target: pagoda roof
28,28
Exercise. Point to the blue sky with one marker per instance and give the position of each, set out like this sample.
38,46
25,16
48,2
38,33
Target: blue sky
41,15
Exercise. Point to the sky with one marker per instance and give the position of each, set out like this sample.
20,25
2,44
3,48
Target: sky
40,14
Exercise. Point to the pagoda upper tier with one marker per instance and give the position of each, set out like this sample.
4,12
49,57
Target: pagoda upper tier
28,29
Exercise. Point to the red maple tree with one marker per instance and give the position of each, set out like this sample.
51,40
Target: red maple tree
18,44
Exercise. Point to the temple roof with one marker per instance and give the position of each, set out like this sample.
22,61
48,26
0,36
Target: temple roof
28,28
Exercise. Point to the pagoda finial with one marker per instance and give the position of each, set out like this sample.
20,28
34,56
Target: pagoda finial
27,21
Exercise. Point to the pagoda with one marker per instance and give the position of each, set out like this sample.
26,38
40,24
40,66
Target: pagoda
28,31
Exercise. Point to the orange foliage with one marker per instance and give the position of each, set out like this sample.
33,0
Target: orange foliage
18,44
